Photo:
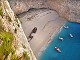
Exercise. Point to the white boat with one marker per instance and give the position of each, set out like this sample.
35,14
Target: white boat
71,35
61,38
57,49
66,27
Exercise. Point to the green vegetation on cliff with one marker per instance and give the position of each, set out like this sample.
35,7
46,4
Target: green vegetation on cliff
7,49
6,44
1,13
1,28
13,56
6,39
26,57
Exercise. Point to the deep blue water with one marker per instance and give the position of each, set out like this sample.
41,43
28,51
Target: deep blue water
70,47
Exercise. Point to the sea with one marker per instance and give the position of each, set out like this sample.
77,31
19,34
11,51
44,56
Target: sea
70,46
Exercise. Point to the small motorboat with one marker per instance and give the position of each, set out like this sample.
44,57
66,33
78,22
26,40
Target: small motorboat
61,38
57,49
66,27
71,35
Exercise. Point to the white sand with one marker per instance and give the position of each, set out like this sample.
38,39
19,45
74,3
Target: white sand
48,23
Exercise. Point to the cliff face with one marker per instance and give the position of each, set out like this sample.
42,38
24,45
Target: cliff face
68,9
20,6
13,41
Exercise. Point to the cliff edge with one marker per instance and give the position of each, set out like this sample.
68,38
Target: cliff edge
13,42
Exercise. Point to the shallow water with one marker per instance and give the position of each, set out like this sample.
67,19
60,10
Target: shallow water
70,47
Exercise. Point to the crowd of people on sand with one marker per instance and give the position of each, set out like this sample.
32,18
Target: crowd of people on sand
61,38
30,36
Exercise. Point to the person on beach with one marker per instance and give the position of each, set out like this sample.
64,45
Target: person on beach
34,30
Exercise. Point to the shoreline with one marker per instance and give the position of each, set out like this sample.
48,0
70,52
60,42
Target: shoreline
48,23
50,40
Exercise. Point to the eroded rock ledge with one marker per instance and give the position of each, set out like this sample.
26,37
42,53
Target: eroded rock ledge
67,9
13,42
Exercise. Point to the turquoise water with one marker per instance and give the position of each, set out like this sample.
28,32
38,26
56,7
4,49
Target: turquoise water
70,47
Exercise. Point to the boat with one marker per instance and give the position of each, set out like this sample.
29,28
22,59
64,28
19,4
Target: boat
61,38
57,49
66,27
71,35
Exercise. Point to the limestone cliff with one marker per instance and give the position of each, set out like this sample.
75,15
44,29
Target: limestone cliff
13,42
68,9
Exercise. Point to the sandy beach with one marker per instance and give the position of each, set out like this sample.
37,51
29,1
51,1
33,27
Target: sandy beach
47,23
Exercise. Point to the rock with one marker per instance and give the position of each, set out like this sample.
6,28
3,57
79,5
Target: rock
10,22
20,6
74,10
68,9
